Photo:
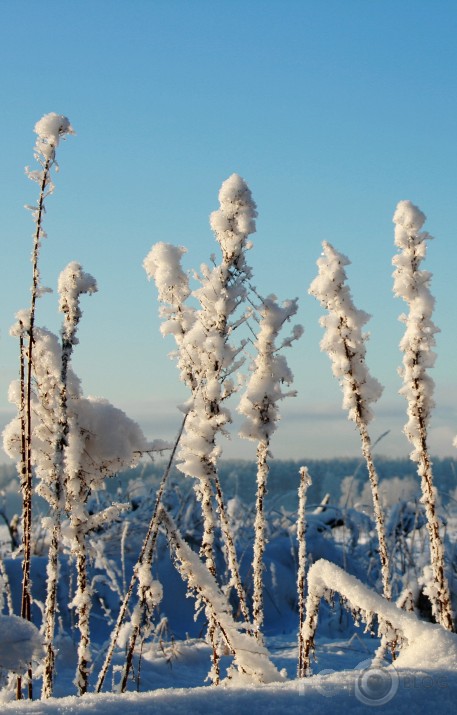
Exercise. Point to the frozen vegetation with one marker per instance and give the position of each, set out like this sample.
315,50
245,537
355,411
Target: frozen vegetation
167,588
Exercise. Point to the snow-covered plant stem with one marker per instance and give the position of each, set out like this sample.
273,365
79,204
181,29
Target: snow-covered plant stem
250,657
205,358
50,129
83,602
230,549
305,482
394,624
73,282
412,284
259,406
81,524
210,357
345,345
144,559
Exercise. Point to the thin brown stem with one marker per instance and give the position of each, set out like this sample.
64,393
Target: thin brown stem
145,555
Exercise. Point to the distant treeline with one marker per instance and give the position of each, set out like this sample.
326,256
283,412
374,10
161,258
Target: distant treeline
238,477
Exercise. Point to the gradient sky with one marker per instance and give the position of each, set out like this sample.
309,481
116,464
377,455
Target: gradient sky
332,111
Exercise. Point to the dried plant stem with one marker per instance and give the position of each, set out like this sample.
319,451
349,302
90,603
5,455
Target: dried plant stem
231,556
6,587
145,556
84,596
412,285
373,476
26,416
259,537
250,657
305,482
379,514
443,603
53,554
50,612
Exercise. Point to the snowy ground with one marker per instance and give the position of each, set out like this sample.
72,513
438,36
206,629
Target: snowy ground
345,684
174,673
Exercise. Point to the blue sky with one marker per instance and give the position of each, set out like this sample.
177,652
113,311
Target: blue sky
332,111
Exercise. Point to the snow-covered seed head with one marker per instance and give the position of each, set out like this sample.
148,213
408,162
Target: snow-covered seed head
344,340
50,129
73,282
22,324
328,286
409,216
235,219
269,371
163,265
413,285
408,220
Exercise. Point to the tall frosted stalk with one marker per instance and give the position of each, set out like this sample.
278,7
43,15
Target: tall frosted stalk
50,129
412,284
345,344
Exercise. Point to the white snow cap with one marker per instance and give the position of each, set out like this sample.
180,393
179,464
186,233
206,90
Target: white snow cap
53,126
73,281
235,219
408,216
50,129
163,265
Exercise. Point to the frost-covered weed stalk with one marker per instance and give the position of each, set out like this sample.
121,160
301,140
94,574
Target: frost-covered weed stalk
102,441
206,359
424,645
50,130
210,355
163,265
44,404
149,591
345,344
259,405
305,483
87,439
73,282
55,385
412,284
251,662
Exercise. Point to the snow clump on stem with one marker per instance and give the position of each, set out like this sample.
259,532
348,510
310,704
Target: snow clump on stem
51,128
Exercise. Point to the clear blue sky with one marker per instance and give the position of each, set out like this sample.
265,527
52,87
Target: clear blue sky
331,110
